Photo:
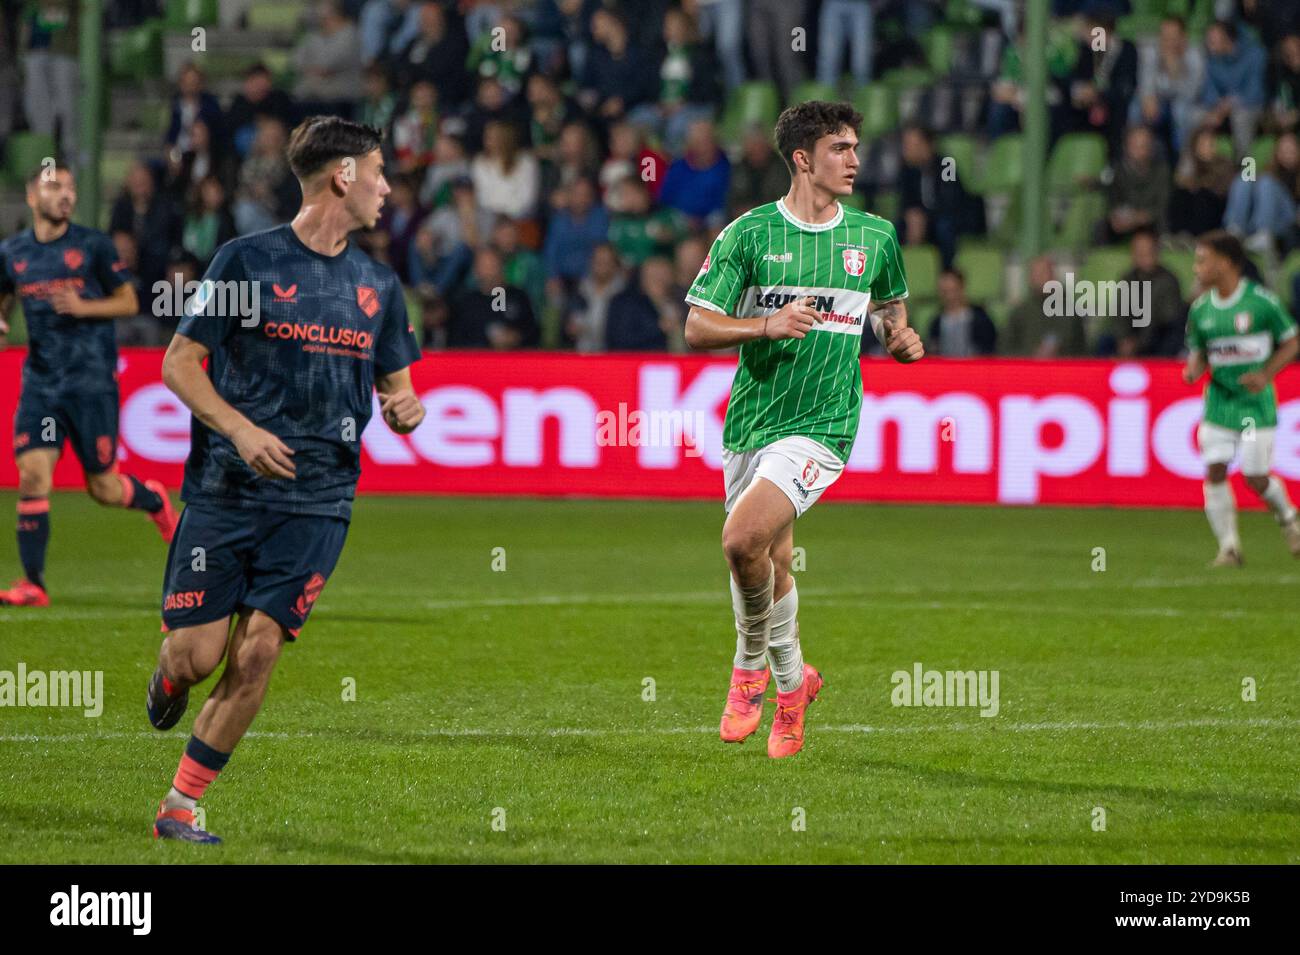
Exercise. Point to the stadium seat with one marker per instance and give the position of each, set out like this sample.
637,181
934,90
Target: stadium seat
1223,146
1180,262
963,13
811,90
113,167
879,108
1106,264
136,53
182,15
1004,165
276,16
1078,223
907,78
24,153
938,45
1286,275
1076,156
965,153
1261,150
753,103
921,263
984,266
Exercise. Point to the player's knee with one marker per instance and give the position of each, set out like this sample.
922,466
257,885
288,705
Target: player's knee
187,663
255,656
32,481
1216,473
104,488
743,545
1257,482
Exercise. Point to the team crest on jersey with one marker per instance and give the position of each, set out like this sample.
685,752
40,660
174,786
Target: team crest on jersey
20,266
1241,322
368,300
73,258
705,267
855,261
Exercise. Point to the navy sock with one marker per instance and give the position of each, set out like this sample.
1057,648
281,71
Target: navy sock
33,536
140,497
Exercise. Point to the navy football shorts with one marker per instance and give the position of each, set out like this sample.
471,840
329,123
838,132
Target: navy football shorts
223,559
89,421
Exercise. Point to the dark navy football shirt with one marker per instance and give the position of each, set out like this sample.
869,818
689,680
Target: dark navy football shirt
64,354
304,368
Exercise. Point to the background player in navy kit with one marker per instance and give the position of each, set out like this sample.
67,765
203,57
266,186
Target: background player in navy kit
71,287
275,446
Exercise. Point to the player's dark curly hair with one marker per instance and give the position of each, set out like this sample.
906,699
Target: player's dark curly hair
1224,243
799,127
319,140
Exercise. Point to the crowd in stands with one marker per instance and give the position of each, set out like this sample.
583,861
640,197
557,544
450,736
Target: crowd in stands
575,153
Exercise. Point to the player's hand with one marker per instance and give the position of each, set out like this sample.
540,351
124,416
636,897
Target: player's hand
402,411
1190,375
1253,381
264,452
794,320
904,344
66,301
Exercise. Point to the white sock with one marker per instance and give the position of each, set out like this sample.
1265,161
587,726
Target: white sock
176,799
753,608
783,649
1221,509
1275,497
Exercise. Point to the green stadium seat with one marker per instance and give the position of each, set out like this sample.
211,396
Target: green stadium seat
182,15
1078,225
113,167
1287,272
938,45
885,205
964,151
1137,27
1261,150
921,264
1223,146
136,53
754,103
879,108
1106,264
906,78
963,13
811,90
280,63
984,265
1004,165
1153,9
24,154
1181,263
1076,156
276,16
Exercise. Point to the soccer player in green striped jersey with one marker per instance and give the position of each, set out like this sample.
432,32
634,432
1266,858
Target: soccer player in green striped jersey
1245,336
793,283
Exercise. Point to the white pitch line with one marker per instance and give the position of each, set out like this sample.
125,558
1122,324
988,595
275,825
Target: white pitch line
991,725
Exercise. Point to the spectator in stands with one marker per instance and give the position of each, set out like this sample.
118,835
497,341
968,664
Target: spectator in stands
506,177
1284,84
722,22
588,310
398,224
208,222
436,53
1034,333
630,158
376,24
450,163
268,192
148,216
844,23
328,63
959,329
577,154
9,85
562,34
1201,185
51,77
770,26
549,111
415,130
1138,195
193,104
379,106
688,84
932,201
443,250
1171,74
572,235
1234,83
645,316
510,64
759,177
128,253
493,314
688,260
697,183
1109,67
1165,317
521,265
492,103
636,230
1263,210
257,97
204,158
617,75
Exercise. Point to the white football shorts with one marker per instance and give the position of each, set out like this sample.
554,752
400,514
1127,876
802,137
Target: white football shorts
1219,445
801,467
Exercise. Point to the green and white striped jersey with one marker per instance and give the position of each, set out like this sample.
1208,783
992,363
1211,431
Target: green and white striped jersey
811,386
1238,335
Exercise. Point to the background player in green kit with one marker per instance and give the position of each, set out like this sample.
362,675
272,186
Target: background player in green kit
1245,336
793,283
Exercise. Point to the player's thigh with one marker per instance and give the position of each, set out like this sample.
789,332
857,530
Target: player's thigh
36,471
1218,445
761,514
206,576
92,430
1257,453
294,556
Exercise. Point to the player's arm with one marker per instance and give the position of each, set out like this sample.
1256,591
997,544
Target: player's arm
119,303
900,339
6,303
1195,366
1283,355
707,328
184,374
398,402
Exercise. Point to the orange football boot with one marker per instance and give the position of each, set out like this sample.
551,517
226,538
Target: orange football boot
744,707
786,738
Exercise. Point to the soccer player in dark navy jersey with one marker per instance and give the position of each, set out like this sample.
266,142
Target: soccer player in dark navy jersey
71,286
298,328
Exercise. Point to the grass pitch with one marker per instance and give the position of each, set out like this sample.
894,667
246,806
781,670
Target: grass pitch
517,695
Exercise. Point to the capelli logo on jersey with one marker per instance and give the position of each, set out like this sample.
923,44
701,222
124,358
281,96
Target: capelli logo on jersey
786,257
